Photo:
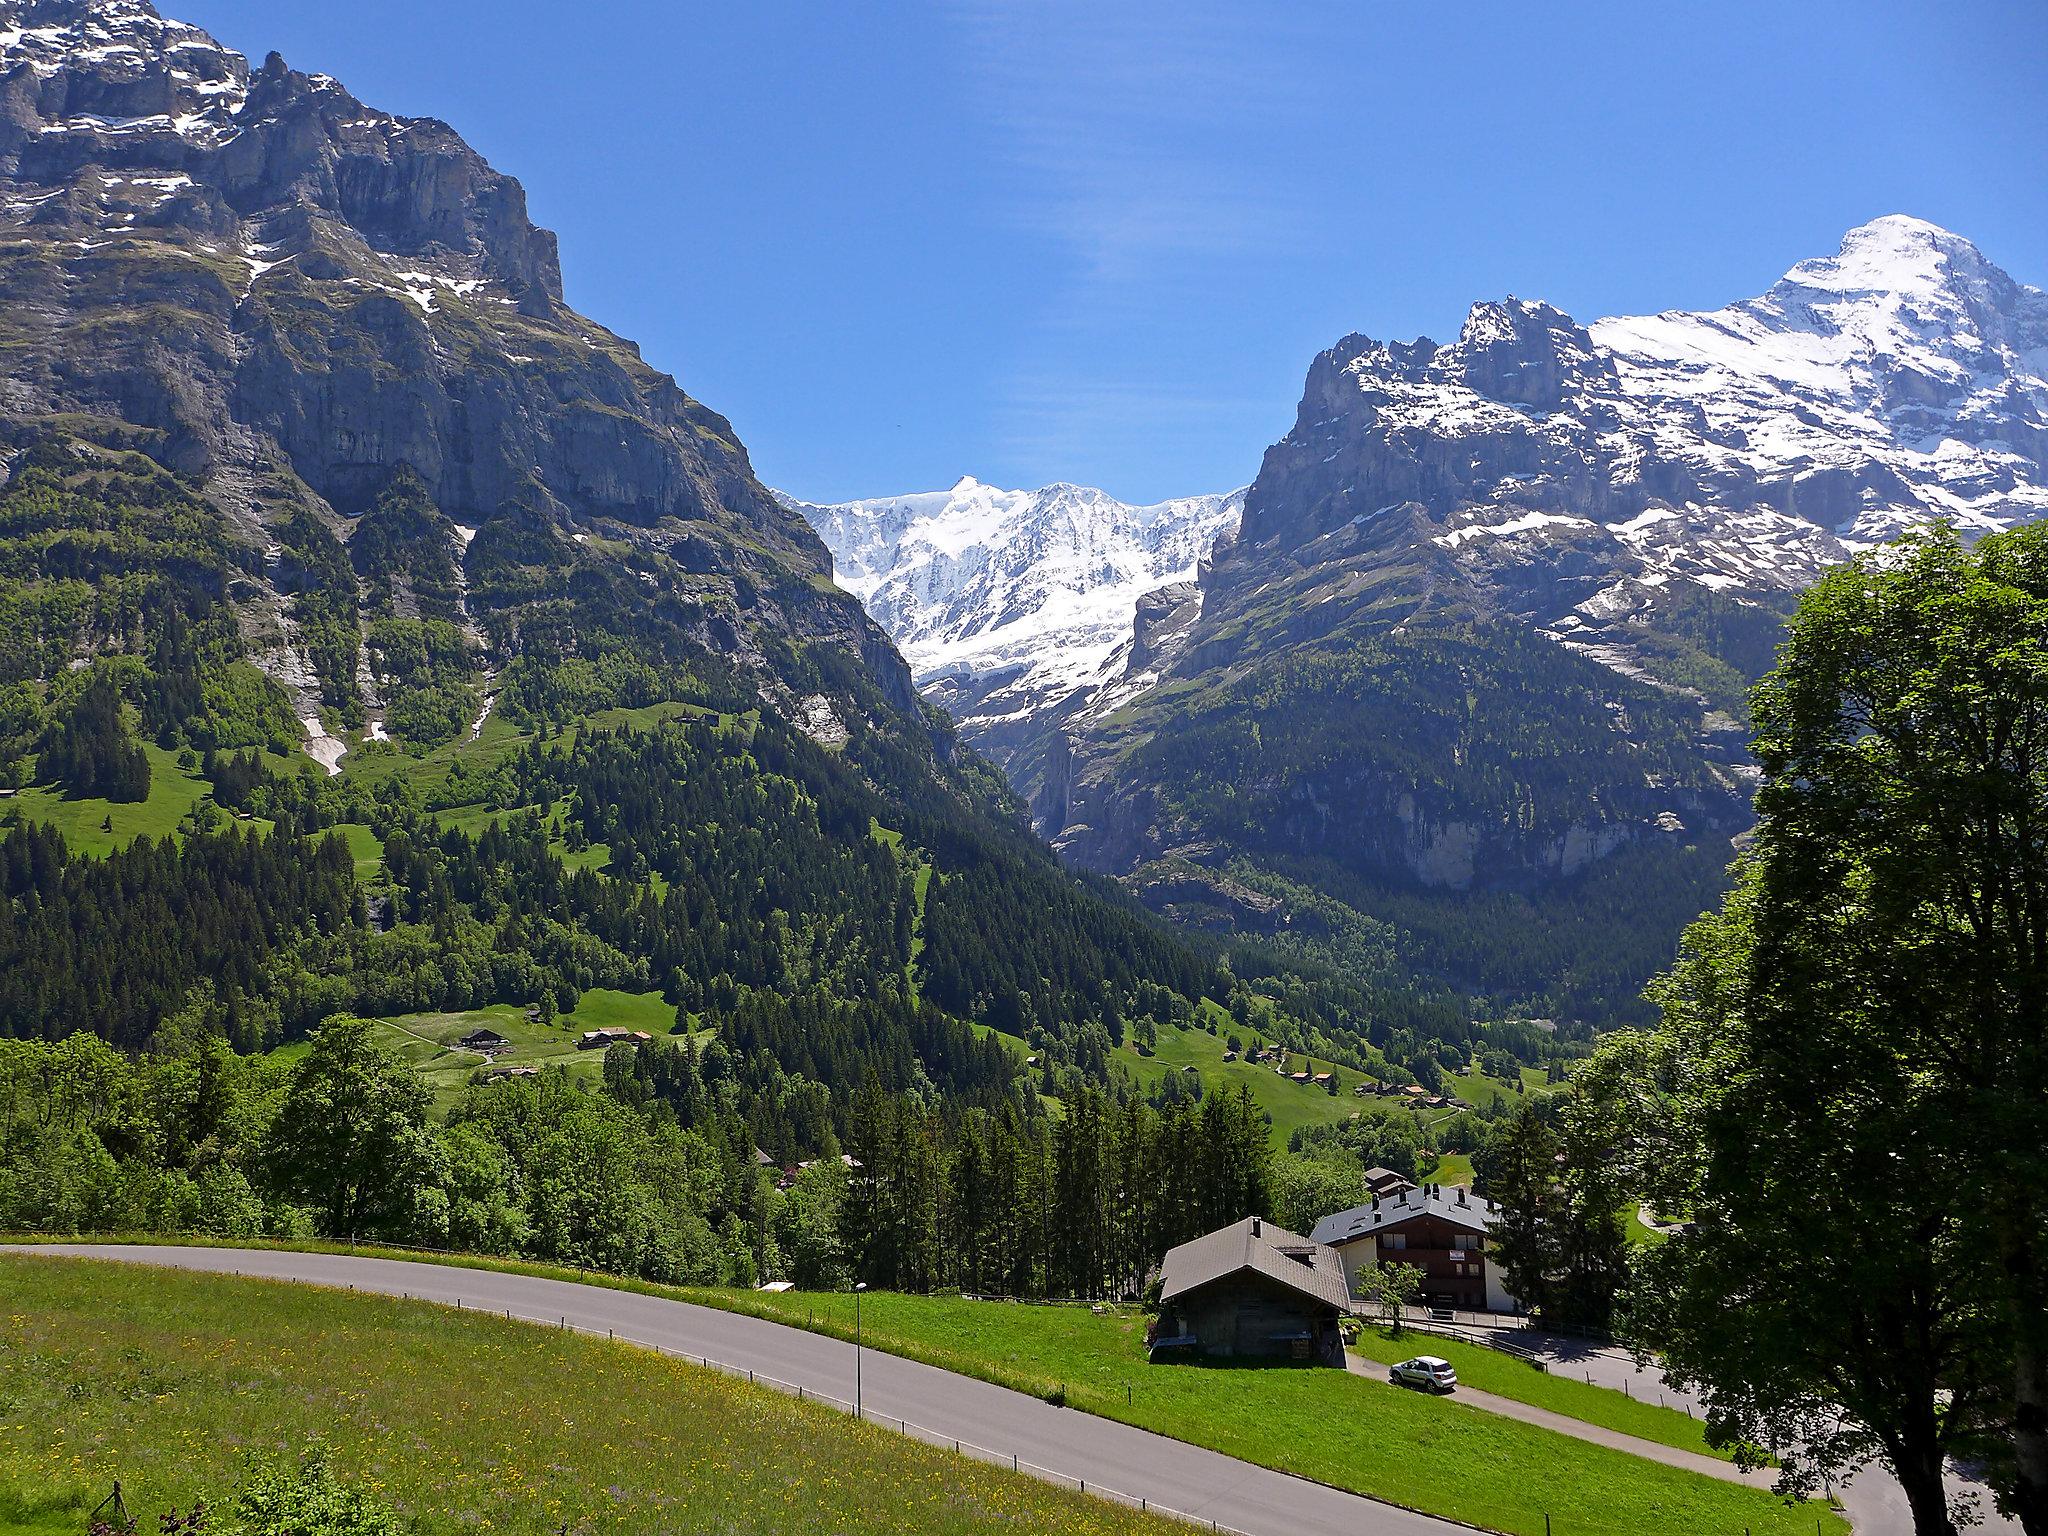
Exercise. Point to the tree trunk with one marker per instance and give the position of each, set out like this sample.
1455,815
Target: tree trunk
2030,1439
1919,1469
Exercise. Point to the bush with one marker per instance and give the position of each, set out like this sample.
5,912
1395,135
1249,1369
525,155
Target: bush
309,1500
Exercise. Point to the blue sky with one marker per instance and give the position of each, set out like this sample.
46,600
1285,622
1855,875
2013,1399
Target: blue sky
1091,241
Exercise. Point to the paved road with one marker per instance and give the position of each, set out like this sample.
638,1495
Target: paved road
1074,1446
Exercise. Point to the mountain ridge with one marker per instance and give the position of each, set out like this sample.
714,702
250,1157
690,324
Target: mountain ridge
436,652
1590,534
306,307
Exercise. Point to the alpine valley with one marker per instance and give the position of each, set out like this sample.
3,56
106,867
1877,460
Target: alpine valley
380,635
1462,689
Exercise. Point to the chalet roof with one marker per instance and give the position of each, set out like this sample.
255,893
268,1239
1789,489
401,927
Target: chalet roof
1310,1268
1452,1203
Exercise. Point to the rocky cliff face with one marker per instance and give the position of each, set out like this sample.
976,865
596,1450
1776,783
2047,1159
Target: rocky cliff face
1570,473
1484,628
296,303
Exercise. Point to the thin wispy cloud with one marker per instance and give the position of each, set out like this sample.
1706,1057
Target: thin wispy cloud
1113,119
1120,134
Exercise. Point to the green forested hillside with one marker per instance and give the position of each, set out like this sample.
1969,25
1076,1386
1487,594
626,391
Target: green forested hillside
832,937
371,651
1383,786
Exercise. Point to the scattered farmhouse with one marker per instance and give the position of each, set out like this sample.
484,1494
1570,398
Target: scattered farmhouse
1253,1289
591,1039
1441,1229
485,1040
499,1074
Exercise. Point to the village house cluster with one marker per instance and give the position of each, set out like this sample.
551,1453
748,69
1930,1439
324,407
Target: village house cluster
1412,1094
1256,1290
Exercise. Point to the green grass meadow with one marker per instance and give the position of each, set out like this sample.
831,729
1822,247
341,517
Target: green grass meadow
1450,1168
1482,1092
181,1385
1292,1105
172,793
427,1041
1489,1370
1432,1454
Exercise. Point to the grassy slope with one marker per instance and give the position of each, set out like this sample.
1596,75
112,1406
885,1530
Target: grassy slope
1489,1370
365,847
1481,1091
498,738
1432,1454
1292,1105
172,794
427,1040
178,1384
1450,1168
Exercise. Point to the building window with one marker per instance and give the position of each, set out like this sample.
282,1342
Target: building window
1397,1241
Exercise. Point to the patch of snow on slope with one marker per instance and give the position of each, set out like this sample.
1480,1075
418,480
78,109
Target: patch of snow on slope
324,749
1527,522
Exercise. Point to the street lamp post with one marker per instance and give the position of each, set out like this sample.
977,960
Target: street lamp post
856,1347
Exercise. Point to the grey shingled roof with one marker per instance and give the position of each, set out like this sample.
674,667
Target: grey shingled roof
1263,1248
1476,1214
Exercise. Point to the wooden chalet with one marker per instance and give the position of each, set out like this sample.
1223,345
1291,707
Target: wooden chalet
1253,1289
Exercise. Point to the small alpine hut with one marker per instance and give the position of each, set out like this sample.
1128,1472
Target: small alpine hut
1253,1289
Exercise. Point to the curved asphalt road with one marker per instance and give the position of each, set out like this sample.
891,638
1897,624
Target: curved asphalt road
1066,1445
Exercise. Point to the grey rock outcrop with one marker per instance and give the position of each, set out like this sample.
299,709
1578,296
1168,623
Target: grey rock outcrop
300,298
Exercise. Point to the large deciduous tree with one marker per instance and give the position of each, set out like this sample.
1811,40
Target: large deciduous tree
352,1137
1857,1041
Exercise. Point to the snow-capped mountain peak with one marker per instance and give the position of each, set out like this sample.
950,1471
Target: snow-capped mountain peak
1030,593
1572,473
1896,254
1907,362
115,69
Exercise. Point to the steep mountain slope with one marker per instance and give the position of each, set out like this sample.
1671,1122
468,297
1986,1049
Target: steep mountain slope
309,319
1015,608
1474,660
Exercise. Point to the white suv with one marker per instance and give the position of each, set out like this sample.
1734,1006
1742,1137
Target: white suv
1429,1372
